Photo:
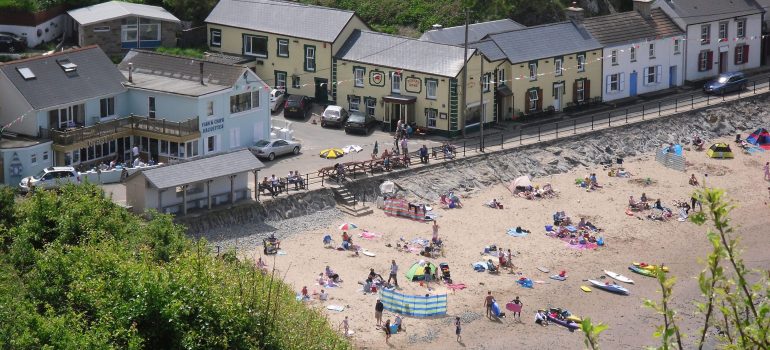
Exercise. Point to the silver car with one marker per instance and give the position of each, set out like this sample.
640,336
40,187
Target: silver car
271,149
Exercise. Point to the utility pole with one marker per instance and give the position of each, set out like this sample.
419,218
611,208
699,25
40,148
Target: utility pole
463,101
481,101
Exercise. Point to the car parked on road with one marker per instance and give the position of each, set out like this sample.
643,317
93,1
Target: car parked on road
359,122
297,106
269,149
726,82
12,43
276,99
50,178
334,116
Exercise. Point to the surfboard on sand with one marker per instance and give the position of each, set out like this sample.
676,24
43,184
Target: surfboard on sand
335,307
543,269
368,253
496,310
513,307
585,289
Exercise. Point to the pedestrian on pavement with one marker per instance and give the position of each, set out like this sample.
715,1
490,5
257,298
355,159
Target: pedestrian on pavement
393,273
378,312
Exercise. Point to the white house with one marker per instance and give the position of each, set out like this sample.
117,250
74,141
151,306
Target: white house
643,51
722,35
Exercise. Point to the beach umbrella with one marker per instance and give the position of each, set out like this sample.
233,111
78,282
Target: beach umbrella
332,153
352,149
347,226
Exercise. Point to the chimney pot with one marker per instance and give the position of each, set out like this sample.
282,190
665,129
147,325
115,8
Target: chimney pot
574,13
130,72
643,7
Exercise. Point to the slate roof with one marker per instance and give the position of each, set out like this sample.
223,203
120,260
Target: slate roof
177,74
476,31
544,41
94,76
118,9
489,49
626,27
282,17
403,53
202,169
701,11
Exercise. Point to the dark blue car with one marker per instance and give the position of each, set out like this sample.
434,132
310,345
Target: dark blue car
726,82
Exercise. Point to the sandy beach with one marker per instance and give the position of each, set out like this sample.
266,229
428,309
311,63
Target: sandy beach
466,231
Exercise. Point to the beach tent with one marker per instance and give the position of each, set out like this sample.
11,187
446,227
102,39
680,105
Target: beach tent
417,271
520,183
760,138
720,150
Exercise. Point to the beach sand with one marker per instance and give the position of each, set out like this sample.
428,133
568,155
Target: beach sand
466,231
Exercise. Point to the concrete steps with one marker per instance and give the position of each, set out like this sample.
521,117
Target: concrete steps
346,203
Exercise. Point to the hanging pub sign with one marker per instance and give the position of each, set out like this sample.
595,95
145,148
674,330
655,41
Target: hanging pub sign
413,85
377,78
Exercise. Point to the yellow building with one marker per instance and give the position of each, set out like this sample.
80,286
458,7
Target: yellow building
393,77
551,67
291,44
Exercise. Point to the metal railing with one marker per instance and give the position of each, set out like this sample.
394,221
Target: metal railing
131,123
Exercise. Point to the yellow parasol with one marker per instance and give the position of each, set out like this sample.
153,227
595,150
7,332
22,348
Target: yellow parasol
332,153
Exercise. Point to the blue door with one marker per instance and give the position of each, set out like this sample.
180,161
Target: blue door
672,76
632,84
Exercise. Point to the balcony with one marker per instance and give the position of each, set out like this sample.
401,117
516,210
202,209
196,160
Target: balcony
129,126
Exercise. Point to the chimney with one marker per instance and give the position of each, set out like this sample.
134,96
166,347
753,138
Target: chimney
643,7
574,13
437,27
130,71
201,71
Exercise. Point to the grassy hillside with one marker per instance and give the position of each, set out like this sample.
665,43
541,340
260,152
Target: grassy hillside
79,272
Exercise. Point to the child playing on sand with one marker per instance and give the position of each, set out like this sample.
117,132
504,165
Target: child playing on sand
346,326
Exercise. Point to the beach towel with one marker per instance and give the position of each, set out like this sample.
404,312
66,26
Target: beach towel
512,232
455,286
369,235
479,266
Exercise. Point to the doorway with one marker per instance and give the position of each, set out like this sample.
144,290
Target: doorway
321,90
558,92
722,62
672,76
632,83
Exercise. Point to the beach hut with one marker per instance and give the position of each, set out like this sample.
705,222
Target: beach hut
760,138
720,150
417,271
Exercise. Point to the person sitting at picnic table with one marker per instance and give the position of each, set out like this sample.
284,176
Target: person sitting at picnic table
266,186
693,180
296,179
275,183
424,154
448,151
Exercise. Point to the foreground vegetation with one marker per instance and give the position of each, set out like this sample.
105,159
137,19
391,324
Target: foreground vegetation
77,271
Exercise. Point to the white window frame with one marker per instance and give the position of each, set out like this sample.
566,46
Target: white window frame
251,103
580,90
632,53
371,105
559,66
739,59
395,83
248,45
209,108
431,86
533,97
144,28
354,104
651,49
485,82
295,82
283,43
677,49
358,76
431,115
209,144
533,71
724,31
615,81
101,29
704,61
740,26
280,80
652,73
614,57
216,37
310,62
127,29
581,61
501,77
705,33
107,107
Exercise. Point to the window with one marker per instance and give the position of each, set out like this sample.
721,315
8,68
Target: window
741,25
355,102
129,33
310,58
430,117
614,83
722,31
485,82
676,47
705,60
614,57
163,147
151,107
107,107
280,80
45,155
741,54
66,117
533,71
149,30
371,104
705,34
652,50
283,47
215,38
501,77
533,97
558,66
101,29
431,85
580,86
395,83
255,45
652,75
244,102
581,61
632,53
358,75
211,144
33,158
209,108
295,82
235,138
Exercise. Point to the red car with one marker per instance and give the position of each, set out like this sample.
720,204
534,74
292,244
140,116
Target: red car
297,106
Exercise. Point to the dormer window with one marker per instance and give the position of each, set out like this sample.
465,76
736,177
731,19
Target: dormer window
26,73
67,65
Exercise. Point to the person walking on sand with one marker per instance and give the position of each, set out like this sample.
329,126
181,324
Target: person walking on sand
767,171
435,231
346,326
458,328
488,301
378,312
393,273
387,331
521,306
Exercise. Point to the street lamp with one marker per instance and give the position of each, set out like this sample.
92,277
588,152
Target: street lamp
481,102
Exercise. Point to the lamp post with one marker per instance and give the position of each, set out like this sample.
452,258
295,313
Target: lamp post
481,101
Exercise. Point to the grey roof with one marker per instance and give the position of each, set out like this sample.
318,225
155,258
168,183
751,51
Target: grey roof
227,58
177,74
476,31
282,17
701,11
489,49
403,53
202,169
118,9
95,76
625,27
544,41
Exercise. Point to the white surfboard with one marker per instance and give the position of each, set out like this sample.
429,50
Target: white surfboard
368,253
618,277
336,307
